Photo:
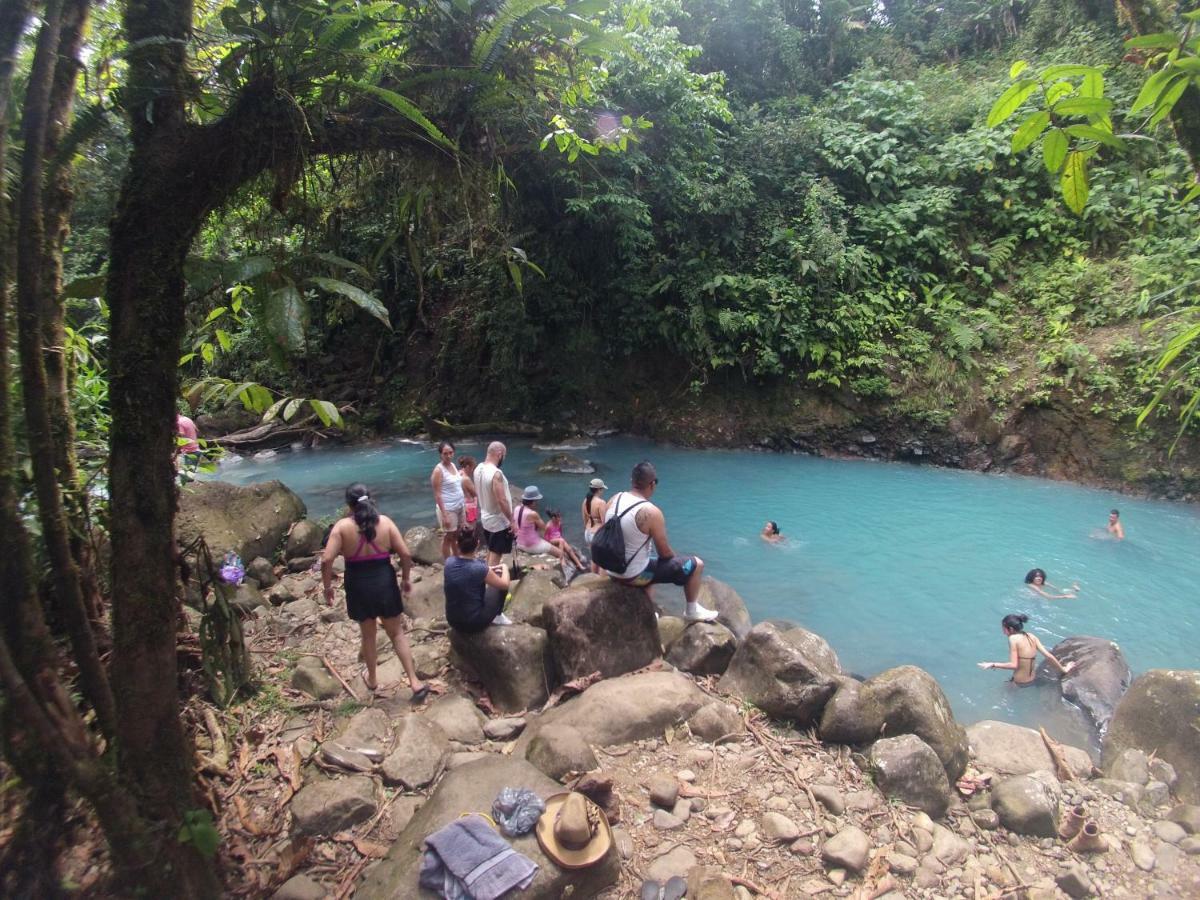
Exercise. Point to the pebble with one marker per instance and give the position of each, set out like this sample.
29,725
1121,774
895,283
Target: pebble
683,809
902,863
733,843
986,819
1142,855
686,775
715,812
624,842
777,803
740,893
931,863
921,820
745,827
848,849
664,791
906,848
1167,858
923,838
837,876
1190,845
926,879
698,756
1169,832
665,821
803,847
752,841
778,827
829,797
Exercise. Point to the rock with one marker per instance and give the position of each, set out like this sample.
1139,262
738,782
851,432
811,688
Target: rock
261,571
299,564
1190,846
778,678
902,864
454,760
252,520
624,842
677,862
1158,714
622,710
328,807
280,594
430,658
906,768
1142,855
1122,791
424,544
904,700
986,819
503,729
247,598
299,887
402,809
670,629
709,883
427,600
530,594
864,801
948,848
779,828
1013,750
814,647
1028,804
1186,815
1099,679
558,750
1167,858
601,627
1155,794
731,609
1161,770
421,749
1170,832
458,718
705,648
368,730
304,539
665,821
1130,765
682,810
716,720
311,676
847,849
474,787
829,797
664,790
512,662
566,463
1075,882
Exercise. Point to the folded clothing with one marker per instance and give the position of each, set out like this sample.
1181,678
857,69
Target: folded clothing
467,860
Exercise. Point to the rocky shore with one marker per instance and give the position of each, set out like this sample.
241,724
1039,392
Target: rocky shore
736,755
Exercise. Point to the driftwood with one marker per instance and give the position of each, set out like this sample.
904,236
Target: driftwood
268,436
443,429
1061,769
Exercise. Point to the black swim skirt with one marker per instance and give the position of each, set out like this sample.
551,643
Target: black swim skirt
372,591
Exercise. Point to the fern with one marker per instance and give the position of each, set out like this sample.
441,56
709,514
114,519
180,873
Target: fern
1001,250
408,109
491,43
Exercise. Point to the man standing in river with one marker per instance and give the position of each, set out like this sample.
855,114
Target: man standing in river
642,523
495,503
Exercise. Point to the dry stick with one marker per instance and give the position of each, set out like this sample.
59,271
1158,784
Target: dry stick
338,675
1061,769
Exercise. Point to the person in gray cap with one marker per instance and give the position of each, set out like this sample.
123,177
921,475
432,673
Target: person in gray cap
593,508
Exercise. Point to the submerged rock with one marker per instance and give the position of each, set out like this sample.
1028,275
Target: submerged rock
568,464
1159,714
1099,680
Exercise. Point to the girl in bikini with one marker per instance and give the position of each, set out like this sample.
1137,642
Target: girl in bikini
594,506
1024,649
371,590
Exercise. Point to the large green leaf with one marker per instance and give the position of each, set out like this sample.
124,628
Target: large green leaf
1090,133
85,288
1151,90
341,262
1054,149
1029,130
1067,70
1010,100
246,268
1083,106
356,295
1169,97
409,110
283,318
1162,40
326,412
1073,182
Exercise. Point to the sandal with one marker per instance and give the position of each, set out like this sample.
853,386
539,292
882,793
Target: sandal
370,687
420,694
674,889
651,890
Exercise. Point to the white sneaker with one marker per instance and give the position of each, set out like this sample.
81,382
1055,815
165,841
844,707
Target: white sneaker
700,614
502,619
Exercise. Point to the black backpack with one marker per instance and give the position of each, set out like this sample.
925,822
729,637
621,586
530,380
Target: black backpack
608,544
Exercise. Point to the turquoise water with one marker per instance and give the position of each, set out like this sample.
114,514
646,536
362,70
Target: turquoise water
891,563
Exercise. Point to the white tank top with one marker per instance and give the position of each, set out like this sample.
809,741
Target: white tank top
452,491
491,514
636,541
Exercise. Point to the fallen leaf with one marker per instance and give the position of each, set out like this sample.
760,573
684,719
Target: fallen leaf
370,849
244,816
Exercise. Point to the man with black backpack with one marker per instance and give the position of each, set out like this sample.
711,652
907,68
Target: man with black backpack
621,546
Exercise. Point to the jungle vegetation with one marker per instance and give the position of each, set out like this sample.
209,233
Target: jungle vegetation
368,213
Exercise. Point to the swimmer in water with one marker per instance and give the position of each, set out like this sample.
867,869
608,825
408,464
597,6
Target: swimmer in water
1036,580
1115,528
770,533
1023,651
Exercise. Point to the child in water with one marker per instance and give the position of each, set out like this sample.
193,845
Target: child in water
1036,579
770,533
554,536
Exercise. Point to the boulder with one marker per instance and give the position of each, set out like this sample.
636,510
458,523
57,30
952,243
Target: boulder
458,718
302,563
510,661
1159,714
369,729
314,679
904,700
716,720
601,627
906,768
567,464
621,710
813,646
1187,816
677,862
246,598
503,729
558,750
1099,680
251,520
1130,765
260,570
279,594
530,594
1013,750
425,545
473,787
731,608
778,678
328,807
427,600
848,849
304,539
670,629
1028,804
421,748
705,648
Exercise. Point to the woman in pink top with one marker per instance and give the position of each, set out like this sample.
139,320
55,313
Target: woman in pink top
186,428
530,528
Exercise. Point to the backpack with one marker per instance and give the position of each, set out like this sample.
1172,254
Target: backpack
608,544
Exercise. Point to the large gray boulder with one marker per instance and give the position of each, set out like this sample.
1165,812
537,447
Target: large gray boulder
428,597
1013,750
904,700
421,748
1028,804
425,545
730,607
251,520
1160,714
530,594
813,646
602,627
304,539
1097,682
328,807
705,648
558,750
906,768
778,678
474,786
458,717
511,661
620,710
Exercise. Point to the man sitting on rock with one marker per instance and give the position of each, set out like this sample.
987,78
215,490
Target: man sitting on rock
641,523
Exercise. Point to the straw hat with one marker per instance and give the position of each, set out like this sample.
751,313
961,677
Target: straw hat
573,831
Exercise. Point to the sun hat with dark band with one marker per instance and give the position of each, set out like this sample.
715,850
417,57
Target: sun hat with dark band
532,493
573,831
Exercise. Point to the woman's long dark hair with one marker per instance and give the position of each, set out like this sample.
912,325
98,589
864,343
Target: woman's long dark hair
588,499
366,513
1015,622
1034,573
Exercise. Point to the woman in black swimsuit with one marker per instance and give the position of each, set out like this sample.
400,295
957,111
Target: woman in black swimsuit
371,590
1024,649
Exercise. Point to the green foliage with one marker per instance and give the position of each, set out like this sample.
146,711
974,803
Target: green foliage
199,830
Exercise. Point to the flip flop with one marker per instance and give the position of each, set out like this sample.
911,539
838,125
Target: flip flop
370,687
651,890
420,695
674,889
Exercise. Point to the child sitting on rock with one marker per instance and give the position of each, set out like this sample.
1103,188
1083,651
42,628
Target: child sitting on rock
555,537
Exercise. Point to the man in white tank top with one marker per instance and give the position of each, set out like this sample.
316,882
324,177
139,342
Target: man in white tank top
495,503
644,525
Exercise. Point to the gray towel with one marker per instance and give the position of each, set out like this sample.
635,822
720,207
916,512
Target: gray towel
467,860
